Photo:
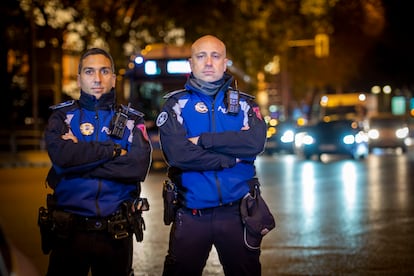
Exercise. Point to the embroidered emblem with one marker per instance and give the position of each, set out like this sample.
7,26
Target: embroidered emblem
162,118
87,129
143,130
201,107
257,111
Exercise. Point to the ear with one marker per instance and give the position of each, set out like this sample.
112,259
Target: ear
190,60
113,80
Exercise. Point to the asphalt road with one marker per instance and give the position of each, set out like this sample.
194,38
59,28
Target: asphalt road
339,217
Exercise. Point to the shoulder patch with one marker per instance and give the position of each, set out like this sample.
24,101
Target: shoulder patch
60,105
162,118
175,92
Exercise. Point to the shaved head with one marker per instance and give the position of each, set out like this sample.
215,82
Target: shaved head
208,39
208,58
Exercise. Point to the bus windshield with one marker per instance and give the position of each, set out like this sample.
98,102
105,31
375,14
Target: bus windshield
157,70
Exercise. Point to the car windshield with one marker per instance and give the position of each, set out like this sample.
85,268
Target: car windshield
336,125
386,122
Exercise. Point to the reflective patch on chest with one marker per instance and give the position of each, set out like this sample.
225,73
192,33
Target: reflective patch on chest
201,107
87,129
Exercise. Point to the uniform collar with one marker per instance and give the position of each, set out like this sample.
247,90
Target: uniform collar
90,102
209,89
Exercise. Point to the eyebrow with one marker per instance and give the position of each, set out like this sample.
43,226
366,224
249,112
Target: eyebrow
204,52
100,68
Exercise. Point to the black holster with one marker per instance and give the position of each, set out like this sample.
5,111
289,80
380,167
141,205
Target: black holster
169,195
46,224
133,212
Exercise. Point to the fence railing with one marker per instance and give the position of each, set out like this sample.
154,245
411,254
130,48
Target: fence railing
23,139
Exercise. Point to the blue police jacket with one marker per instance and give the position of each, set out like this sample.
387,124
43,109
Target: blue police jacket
91,181
216,170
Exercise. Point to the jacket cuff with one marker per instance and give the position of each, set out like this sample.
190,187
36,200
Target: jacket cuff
205,141
228,162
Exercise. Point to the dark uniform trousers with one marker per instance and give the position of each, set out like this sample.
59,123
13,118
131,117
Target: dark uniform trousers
96,251
195,231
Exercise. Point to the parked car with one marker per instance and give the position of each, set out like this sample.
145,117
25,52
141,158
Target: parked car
280,138
340,137
388,131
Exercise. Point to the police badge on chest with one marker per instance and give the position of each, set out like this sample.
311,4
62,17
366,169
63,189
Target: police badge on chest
87,129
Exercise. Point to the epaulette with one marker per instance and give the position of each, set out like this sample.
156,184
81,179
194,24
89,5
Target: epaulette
175,92
60,105
128,109
247,95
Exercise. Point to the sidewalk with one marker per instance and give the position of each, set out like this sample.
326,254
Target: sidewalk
29,158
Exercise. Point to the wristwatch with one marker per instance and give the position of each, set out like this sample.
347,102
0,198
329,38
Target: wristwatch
117,150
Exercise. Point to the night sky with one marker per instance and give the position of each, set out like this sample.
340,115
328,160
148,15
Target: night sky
392,60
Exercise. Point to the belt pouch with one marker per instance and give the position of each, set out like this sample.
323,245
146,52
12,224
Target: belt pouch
63,223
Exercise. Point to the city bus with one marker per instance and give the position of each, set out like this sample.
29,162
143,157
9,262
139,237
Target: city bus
157,70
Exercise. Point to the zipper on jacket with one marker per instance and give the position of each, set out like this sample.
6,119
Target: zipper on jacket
97,123
98,192
213,118
218,189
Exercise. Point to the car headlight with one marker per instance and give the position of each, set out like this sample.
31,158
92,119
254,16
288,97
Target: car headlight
308,140
402,132
287,137
373,134
349,139
361,137
299,139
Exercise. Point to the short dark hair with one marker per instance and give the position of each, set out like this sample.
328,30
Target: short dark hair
96,51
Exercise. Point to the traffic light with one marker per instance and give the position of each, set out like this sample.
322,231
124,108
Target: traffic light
321,45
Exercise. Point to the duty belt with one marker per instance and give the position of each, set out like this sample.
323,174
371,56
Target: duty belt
91,224
205,211
116,225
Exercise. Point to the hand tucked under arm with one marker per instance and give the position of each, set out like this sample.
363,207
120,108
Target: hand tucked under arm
194,140
70,136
